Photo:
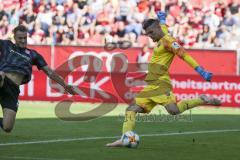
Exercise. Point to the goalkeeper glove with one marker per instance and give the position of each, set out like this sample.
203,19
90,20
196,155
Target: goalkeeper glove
206,75
161,17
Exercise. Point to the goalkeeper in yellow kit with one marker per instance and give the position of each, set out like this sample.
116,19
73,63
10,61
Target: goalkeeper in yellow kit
159,88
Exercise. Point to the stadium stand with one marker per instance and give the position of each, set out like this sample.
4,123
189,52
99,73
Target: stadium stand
91,22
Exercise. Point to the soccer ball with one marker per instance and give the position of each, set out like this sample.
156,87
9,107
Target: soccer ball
130,139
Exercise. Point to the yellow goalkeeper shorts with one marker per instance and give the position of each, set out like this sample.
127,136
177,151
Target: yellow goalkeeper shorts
152,95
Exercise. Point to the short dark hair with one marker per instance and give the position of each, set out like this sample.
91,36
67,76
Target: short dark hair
21,28
149,22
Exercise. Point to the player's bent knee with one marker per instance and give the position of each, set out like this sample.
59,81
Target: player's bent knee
7,129
172,109
135,108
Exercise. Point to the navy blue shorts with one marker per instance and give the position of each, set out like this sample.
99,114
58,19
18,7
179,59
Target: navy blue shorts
9,93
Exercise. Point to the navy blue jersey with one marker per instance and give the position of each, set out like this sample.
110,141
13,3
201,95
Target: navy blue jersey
19,60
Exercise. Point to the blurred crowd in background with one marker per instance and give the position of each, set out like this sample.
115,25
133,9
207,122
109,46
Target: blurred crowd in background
195,23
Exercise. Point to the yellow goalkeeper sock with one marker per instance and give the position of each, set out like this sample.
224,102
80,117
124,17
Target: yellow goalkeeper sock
129,121
188,104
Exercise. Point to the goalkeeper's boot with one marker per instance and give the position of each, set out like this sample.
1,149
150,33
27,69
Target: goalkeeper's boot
117,143
210,100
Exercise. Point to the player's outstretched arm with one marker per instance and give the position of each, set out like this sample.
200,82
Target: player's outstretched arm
57,78
172,45
192,62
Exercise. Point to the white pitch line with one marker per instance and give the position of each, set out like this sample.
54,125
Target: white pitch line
112,137
194,132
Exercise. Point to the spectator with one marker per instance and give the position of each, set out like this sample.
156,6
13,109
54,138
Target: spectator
4,27
29,18
234,6
2,11
121,31
205,36
38,34
142,58
59,17
125,9
212,20
229,19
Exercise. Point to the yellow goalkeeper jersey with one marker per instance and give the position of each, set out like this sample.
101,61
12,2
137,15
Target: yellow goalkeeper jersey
162,58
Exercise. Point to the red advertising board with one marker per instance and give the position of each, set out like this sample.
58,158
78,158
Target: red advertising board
118,88
225,88
220,62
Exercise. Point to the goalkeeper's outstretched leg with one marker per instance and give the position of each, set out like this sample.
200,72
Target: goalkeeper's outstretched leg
172,108
177,108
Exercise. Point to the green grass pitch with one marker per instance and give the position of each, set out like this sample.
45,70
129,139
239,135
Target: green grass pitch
203,133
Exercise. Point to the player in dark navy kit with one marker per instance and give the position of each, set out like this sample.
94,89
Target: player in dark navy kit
16,63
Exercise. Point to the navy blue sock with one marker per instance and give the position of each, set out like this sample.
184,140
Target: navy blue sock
1,125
